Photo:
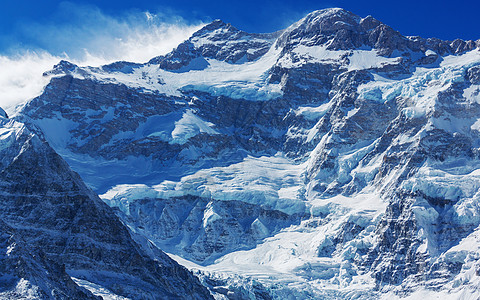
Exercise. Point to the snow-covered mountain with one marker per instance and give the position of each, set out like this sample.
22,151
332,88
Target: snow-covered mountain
336,158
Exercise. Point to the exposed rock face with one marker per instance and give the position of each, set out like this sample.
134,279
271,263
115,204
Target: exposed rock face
354,147
28,273
48,207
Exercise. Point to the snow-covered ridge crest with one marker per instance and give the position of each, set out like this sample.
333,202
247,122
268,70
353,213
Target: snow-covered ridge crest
240,65
241,81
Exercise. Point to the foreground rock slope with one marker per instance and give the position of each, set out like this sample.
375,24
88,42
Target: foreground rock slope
54,229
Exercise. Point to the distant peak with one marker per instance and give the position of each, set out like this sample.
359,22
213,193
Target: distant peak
369,22
215,25
331,14
217,21
63,67
330,11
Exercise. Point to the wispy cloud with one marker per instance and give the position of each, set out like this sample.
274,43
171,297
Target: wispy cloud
86,36
85,31
21,77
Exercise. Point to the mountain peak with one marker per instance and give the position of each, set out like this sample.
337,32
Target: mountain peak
319,25
216,40
213,27
63,67
328,17
329,12
339,29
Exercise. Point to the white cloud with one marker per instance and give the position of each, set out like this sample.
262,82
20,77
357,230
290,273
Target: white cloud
21,77
89,38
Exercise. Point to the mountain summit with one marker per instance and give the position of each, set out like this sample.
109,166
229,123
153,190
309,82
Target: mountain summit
339,29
